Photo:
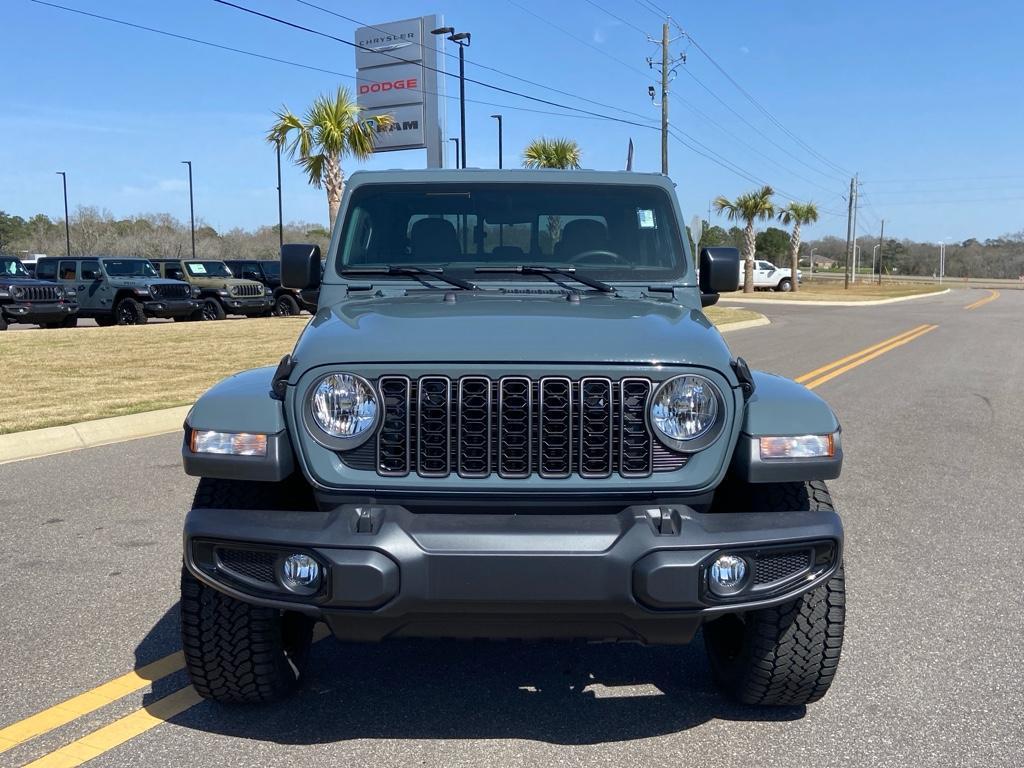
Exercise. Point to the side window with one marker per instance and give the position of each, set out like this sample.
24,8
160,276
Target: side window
46,270
174,271
250,271
91,270
67,270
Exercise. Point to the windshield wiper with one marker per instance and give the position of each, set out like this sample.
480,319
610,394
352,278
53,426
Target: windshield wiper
549,273
419,273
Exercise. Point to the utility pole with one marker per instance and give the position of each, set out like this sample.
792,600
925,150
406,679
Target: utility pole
850,231
667,72
881,249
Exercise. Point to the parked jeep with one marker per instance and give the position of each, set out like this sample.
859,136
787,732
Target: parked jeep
115,290
768,276
510,417
286,300
39,302
220,293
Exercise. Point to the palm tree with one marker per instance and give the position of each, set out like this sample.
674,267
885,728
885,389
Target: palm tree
552,153
797,214
331,130
748,207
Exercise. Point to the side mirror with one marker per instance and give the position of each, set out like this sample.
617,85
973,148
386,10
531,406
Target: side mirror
719,273
300,266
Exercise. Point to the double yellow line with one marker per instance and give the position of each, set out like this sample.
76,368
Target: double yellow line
135,723
992,296
819,376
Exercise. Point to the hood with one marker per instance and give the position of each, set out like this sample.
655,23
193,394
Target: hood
498,328
24,281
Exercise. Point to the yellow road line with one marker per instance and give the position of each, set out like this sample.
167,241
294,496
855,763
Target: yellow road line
90,701
877,353
121,730
855,355
992,296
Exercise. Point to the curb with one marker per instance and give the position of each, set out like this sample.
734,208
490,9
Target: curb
798,303
741,324
18,446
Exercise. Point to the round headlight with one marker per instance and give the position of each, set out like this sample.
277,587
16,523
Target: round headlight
344,405
17,292
685,408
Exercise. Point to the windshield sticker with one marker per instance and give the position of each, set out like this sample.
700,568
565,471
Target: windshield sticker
197,269
645,218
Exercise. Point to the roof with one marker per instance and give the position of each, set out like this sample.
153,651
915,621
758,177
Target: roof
509,175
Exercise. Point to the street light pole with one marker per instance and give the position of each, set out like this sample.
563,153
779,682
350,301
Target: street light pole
498,118
456,151
67,220
811,260
191,207
280,207
461,39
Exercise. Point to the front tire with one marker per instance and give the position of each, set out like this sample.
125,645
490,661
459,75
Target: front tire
786,655
212,310
237,653
286,306
785,285
129,312
3,322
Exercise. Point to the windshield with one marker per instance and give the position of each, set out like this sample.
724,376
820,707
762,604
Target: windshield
12,268
129,268
609,232
207,269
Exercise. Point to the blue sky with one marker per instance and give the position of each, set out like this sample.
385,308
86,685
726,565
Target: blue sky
921,98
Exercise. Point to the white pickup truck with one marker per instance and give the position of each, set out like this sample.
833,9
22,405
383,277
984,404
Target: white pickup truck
767,275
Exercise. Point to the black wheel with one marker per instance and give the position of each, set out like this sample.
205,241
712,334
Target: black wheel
70,322
286,305
104,321
236,652
129,312
3,322
786,655
212,310
197,316
785,285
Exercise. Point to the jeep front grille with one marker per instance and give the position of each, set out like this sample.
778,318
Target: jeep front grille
169,291
36,293
247,290
515,427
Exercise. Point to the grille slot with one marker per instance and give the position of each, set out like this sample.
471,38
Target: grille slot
777,566
37,293
434,426
635,444
514,426
247,290
248,563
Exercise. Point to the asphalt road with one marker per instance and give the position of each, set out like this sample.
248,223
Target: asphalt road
932,671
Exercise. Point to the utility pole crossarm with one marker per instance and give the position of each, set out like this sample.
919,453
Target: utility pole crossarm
666,72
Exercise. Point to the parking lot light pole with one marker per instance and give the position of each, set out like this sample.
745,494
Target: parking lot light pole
461,39
456,151
191,207
498,118
67,219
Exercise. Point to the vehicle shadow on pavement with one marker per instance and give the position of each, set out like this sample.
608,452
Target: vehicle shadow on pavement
556,692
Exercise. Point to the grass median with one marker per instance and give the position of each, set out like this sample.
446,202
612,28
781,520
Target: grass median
832,290
55,377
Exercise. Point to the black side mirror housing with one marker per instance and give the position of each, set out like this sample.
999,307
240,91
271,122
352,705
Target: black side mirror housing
300,266
719,273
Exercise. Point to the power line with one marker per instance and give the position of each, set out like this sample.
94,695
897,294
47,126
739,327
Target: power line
946,178
617,17
764,109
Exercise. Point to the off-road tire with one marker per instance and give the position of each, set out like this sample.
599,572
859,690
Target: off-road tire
236,652
3,322
786,655
212,310
240,653
129,312
785,285
286,306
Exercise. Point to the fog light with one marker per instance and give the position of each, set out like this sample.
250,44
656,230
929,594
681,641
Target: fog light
727,574
300,573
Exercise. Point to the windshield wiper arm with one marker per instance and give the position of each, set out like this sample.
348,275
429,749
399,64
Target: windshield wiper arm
412,271
549,272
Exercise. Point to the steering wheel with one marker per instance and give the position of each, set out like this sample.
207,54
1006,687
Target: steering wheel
600,253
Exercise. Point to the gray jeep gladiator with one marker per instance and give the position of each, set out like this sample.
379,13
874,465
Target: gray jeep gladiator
509,417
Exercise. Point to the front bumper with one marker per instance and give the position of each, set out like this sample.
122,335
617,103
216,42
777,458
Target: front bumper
640,574
31,312
247,306
163,308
